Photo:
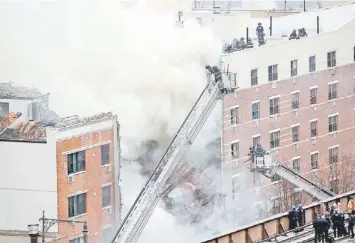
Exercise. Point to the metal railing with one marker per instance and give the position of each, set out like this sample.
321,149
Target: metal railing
278,225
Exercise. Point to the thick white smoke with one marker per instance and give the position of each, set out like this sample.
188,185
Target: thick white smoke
94,56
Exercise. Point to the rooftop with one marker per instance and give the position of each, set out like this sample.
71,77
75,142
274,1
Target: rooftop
75,121
9,91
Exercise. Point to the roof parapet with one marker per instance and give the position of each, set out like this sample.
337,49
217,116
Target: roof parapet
75,121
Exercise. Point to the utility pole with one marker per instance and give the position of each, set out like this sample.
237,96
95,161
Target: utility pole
304,5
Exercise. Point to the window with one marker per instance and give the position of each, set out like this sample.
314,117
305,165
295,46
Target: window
4,110
314,125
295,97
314,161
106,196
334,185
256,140
256,110
312,63
105,154
296,164
272,71
107,235
333,123
235,185
274,106
76,162
235,150
331,59
276,205
313,96
256,178
293,68
275,139
295,133
234,116
296,198
254,77
77,205
332,91
333,155
77,240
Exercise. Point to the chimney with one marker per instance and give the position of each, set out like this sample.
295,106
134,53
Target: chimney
33,232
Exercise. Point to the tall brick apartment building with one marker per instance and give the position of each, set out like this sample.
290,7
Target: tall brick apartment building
87,159
297,99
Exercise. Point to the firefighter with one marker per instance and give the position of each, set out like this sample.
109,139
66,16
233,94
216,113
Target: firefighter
292,215
300,215
336,220
351,224
351,206
317,229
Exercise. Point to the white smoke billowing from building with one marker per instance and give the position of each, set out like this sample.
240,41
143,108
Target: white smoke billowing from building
94,56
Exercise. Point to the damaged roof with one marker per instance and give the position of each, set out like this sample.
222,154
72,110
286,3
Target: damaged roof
75,121
29,131
9,91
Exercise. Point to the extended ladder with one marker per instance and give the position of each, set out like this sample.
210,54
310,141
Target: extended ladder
263,163
144,205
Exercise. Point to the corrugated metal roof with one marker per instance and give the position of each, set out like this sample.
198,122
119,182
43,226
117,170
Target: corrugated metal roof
75,121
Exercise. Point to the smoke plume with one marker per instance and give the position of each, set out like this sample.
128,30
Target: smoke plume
96,56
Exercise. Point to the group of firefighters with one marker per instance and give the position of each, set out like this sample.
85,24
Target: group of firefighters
334,219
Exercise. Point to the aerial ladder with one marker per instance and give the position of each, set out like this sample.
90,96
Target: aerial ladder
159,182
262,162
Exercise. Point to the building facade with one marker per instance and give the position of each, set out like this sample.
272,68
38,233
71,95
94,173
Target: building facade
88,176
297,99
70,169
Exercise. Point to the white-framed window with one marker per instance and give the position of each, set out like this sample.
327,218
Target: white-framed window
313,96
272,72
314,129
334,185
276,205
312,64
333,123
254,77
255,110
77,205
106,196
314,161
331,59
332,91
256,140
296,164
275,139
274,106
295,99
105,154
235,149
293,68
234,115
295,133
333,155
76,162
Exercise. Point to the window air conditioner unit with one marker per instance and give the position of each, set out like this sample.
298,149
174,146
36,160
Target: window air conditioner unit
314,108
274,118
108,211
235,128
274,85
333,71
70,179
314,140
256,123
294,80
295,147
334,135
108,169
256,90
333,102
314,76
295,112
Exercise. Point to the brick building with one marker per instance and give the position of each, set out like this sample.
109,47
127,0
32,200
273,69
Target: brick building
68,167
297,99
87,176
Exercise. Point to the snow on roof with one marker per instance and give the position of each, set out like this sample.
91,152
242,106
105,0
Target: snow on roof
75,121
229,26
